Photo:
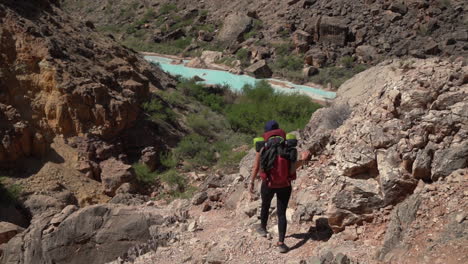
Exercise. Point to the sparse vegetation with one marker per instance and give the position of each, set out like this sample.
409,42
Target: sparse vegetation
260,103
336,76
167,8
159,113
336,114
9,194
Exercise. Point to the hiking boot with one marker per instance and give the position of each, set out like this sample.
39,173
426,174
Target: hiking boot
262,231
282,248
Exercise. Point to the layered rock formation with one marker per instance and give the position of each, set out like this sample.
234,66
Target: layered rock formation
407,126
59,77
367,30
95,234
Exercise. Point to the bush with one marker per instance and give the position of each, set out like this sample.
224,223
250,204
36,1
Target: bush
167,8
244,56
336,115
168,160
289,62
196,150
347,61
212,96
174,179
143,174
10,194
337,75
159,113
260,103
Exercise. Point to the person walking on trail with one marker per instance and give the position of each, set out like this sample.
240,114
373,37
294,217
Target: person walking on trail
276,159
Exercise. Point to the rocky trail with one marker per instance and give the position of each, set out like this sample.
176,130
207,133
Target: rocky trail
387,181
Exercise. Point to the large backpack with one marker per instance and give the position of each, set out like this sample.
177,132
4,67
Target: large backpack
276,160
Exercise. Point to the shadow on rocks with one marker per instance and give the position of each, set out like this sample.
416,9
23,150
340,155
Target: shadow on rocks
320,232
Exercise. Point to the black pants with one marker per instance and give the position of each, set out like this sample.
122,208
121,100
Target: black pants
282,198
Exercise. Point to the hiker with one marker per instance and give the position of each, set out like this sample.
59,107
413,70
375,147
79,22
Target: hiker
276,171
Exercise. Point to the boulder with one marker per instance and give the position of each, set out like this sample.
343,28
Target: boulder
309,71
199,198
333,30
149,157
196,63
367,53
422,164
316,58
209,56
259,69
353,203
114,174
204,36
400,221
448,160
95,234
302,40
396,183
234,27
8,231
399,7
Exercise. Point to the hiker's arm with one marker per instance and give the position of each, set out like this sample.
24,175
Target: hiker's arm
305,156
255,168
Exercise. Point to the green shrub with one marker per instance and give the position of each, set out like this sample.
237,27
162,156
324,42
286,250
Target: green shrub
174,179
336,76
347,61
167,8
244,56
289,62
168,160
9,194
260,103
143,174
283,49
196,150
159,113
212,96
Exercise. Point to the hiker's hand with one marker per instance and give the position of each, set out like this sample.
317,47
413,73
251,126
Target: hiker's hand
305,155
251,187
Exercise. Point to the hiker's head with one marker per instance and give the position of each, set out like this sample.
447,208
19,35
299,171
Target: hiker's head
271,125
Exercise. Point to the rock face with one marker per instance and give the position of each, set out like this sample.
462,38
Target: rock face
44,95
259,69
407,126
334,27
234,26
114,174
95,234
7,231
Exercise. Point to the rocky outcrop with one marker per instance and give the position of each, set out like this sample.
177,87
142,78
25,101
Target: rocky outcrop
402,129
259,69
44,95
95,234
8,231
114,173
234,26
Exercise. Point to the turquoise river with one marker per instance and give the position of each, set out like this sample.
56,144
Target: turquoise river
235,81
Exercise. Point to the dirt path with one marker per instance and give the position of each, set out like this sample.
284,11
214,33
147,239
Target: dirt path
223,237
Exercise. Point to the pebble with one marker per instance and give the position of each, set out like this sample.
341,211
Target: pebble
460,218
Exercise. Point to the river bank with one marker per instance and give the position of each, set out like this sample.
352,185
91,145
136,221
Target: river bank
215,76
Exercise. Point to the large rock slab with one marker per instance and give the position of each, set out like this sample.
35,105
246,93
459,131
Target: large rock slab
259,69
333,30
396,183
234,26
449,160
8,231
114,173
95,234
